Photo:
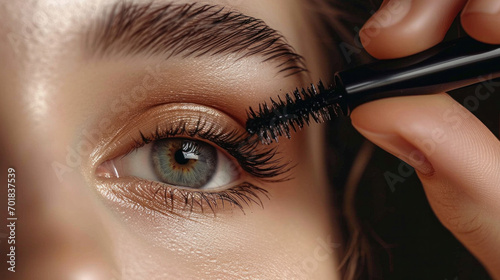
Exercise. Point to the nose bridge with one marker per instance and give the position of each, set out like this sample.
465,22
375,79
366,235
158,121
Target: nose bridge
63,233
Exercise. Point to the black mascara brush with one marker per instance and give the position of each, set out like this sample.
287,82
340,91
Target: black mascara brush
445,67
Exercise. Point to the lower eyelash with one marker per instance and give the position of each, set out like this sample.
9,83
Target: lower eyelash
244,193
166,199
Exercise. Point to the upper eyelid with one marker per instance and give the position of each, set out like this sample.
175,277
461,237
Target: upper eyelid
154,118
141,28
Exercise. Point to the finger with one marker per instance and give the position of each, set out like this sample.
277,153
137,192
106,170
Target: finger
404,27
456,157
481,20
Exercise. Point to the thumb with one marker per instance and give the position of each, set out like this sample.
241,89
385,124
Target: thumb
456,158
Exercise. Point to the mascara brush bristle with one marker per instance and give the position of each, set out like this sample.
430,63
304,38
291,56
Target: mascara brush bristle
291,113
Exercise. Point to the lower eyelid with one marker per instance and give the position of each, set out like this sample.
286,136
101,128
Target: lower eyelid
139,194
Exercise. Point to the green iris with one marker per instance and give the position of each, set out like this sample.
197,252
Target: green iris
184,162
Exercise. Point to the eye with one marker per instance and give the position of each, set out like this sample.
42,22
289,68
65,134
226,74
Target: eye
180,162
184,158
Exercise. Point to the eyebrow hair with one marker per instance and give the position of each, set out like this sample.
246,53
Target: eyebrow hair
190,30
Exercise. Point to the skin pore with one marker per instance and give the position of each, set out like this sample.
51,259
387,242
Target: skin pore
68,110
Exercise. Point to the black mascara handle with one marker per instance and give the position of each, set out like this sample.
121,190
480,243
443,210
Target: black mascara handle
447,66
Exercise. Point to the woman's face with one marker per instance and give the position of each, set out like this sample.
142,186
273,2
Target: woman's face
88,91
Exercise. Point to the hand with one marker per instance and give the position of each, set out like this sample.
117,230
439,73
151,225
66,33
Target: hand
404,27
456,157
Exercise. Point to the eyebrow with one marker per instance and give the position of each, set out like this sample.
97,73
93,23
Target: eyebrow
189,30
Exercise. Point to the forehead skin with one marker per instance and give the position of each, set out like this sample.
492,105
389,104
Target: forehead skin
50,93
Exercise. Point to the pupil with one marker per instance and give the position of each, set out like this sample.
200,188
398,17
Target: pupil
179,157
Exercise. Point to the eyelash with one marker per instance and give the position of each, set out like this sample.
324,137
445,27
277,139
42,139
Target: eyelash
244,193
260,162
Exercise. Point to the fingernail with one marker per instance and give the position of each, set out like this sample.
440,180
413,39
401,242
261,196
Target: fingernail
402,149
390,14
482,7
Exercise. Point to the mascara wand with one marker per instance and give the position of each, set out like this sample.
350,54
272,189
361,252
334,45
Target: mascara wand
447,66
